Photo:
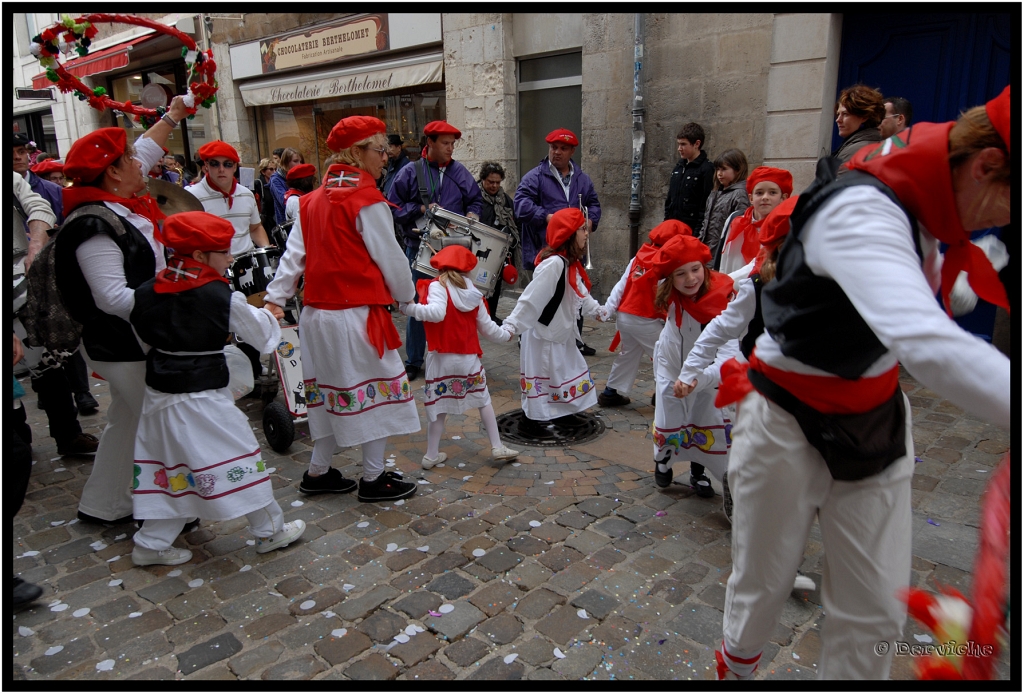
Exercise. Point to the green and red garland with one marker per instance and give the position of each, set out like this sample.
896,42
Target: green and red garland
75,35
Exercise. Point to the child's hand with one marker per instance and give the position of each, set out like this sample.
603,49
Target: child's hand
681,390
275,310
511,332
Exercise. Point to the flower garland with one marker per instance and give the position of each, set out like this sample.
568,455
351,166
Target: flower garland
76,35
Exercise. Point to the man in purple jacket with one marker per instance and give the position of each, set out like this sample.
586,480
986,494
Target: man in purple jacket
51,192
554,184
449,185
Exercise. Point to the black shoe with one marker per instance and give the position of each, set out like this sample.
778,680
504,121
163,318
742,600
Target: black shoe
81,445
703,486
86,403
387,487
189,527
654,397
412,371
726,498
662,479
86,518
612,400
331,482
534,428
568,420
587,351
25,592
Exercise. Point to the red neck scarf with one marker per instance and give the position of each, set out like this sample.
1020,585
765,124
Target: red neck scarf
292,192
576,270
142,205
915,164
705,308
184,273
749,227
229,195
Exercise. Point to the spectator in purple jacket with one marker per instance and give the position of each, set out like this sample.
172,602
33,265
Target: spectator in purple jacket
448,185
51,192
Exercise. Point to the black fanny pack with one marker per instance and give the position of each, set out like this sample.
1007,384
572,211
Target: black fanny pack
854,446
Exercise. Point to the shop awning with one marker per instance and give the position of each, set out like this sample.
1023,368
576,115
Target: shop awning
332,84
105,60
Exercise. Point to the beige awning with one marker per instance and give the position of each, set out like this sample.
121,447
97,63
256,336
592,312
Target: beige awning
362,79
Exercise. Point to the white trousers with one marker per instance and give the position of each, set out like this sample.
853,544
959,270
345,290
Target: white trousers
108,492
637,337
160,534
779,482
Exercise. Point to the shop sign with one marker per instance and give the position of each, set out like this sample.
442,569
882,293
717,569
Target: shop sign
368,34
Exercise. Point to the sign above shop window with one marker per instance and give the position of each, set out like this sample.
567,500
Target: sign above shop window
367,34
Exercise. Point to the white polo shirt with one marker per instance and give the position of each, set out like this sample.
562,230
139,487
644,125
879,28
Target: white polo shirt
244,212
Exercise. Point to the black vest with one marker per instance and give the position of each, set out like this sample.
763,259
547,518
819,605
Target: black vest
106,337
810,317
195,320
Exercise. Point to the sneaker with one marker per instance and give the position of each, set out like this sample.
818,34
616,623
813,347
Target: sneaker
172,556
86,518
428,463
726,498
86,403
81,445
612,400
25,592
703,486
412,371
802,582
662,479
331,482
385,488
282,538
503,452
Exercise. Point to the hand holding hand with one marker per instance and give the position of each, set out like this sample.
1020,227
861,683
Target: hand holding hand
275,310
681,390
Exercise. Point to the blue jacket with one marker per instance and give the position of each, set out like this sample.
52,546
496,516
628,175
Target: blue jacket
457,192
540,194
278,187
50,191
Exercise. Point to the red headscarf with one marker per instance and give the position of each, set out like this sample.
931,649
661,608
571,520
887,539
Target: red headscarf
185,233
746,225
562,226
774,231
683,250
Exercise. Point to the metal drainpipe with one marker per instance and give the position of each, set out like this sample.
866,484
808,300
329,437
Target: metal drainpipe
639,138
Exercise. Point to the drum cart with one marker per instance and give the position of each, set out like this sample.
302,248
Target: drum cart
284,371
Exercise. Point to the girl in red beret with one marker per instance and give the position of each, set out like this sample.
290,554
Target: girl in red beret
450,308
301,180
767,187
639,322
554,377
195,454
690,429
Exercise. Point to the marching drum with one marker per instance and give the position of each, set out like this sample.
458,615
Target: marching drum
490,246
252,273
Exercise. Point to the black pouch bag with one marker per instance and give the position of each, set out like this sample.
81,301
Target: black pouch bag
854,446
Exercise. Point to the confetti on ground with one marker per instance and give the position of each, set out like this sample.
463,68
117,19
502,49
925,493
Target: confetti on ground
981,471
423,482
535,524
80,612
917,460
172,574
59,607
433,614
246,568
550,482
98,545
510,657
424,548
462,465
275,594
133,615
105,665
402,638
439,465
660,514
113,558
390,463
271,470
456,438
931,522
412,630
446,608
581,613
559,654
328,614
479,552
347,587
307,605
72,521
338,633
25,631
115,582
195,583
57,458
297,503
30,553
516,464
120,537
54,650
391,547
923,638
400,502
363,524
467,478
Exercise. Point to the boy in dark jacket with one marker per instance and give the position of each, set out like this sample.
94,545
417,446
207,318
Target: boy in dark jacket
692,179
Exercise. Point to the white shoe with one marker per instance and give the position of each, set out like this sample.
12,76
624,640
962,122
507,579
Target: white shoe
802,582
282,538
428,463
503,452
167,557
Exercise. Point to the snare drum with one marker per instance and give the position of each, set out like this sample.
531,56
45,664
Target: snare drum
489,245
252,273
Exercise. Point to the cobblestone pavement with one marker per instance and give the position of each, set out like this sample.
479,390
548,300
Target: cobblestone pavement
565,564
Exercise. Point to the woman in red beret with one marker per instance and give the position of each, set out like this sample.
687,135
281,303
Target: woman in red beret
766,187
554,377
301,180
825,433
450,308
195,455
106,248
356,388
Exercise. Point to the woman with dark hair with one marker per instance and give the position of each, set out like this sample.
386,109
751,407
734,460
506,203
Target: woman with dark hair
279,181
727,197
859,111
496,212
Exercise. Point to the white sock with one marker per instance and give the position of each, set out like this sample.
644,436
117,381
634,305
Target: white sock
373,458
435,430
490,425
323,451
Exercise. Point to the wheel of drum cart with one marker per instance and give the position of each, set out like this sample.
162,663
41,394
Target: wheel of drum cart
268,391
278,427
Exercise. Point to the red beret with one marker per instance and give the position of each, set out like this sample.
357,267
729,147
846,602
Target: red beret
195,231
776,225
679,251
440,127
780,177
668,229
564,224
353,129
454,258
90,156
46,167
562,135
217,148
998,111
300,171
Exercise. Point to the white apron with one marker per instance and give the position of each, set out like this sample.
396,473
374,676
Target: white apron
554,378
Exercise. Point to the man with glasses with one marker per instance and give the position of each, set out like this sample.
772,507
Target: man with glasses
898,114
436,180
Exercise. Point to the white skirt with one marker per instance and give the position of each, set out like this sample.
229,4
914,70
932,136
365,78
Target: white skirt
554,378
455,383
691,429
351,393
196,455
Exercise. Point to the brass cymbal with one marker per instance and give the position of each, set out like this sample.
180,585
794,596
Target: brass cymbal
171,198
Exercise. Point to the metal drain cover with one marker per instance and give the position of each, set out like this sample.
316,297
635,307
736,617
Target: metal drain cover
586,427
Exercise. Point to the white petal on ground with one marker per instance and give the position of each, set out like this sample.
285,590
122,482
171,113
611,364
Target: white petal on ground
115,582
456,438
54,650
550,482
56,523
297,503
25,631
559,654
246,568
120,537
80,612
172,574
439,465
195,583
271,470
402,638
307,605
419,481
390,463
446,608
391,547
479,552
516,464
328,614
535,524
113,559
133,615
347,587
467,478
411,630
59,608
510,657
581,613
105,665
250,542
363,524
338,633
400,502
424,548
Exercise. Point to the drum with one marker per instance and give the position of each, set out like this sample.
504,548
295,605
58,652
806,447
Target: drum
488,244
252,273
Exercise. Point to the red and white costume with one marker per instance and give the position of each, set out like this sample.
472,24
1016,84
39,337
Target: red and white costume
740,245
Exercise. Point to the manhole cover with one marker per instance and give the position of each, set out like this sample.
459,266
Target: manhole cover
585,427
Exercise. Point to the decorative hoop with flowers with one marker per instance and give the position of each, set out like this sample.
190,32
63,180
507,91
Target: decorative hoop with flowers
76,35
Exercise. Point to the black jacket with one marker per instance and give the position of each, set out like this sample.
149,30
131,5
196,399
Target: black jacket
688,191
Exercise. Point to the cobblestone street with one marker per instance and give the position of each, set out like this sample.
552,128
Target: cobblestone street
564,564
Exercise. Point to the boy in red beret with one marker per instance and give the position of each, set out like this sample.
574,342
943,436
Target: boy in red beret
767,187
195,454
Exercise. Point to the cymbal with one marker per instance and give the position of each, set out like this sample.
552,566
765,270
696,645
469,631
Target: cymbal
171,198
